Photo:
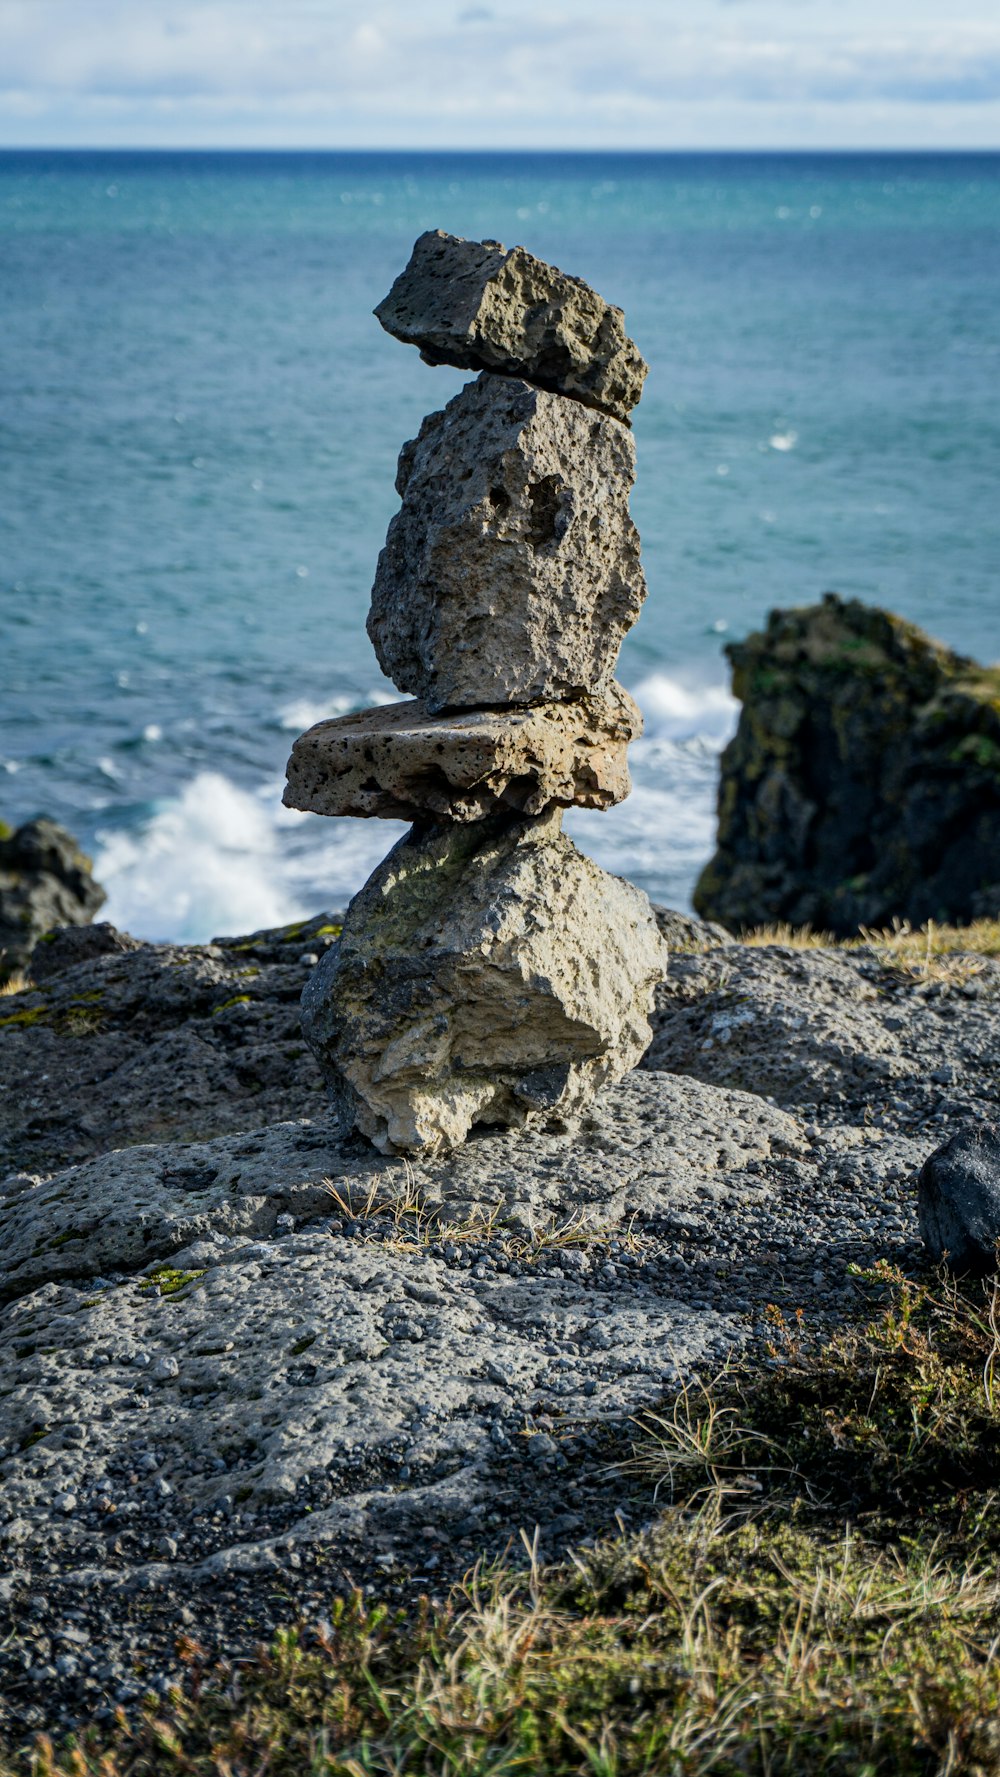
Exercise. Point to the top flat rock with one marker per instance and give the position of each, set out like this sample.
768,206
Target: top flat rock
481,306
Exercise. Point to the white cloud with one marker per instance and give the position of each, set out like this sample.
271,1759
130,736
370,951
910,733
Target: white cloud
501,73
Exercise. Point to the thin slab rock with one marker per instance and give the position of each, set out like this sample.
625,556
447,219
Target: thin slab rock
402,763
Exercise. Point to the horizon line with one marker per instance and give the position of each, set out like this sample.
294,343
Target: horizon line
498,149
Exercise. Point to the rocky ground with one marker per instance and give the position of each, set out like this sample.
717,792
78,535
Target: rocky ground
244,1363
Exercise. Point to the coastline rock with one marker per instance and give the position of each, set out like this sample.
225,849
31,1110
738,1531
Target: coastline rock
157,1042
45,881
487,974
402,763
479,306
863,782
958,1200
511,572
67,946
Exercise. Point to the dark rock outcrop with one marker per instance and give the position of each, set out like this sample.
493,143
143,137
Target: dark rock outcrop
45,881
958,1199
863,782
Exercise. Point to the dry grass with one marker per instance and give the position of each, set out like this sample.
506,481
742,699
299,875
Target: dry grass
948,954
405,1222
790,937
18,982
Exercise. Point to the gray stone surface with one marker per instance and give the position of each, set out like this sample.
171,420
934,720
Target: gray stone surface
482,307
958,1199
157,1042
650,1143
486,974
511,572
402,763
369,1370
45,881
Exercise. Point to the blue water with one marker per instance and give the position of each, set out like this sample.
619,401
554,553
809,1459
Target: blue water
199,423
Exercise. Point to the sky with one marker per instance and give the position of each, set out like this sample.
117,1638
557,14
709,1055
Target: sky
500,73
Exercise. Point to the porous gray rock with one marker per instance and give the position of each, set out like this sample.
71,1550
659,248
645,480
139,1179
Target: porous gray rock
45,881
402,763
511,572
482,307
958,1200
486,974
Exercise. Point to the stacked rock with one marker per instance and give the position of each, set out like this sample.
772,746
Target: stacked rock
488,973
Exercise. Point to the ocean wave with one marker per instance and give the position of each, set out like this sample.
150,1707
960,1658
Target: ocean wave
679,711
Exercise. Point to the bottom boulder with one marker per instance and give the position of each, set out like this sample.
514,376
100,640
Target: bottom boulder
487,974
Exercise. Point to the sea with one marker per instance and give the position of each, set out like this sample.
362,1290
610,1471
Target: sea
199,426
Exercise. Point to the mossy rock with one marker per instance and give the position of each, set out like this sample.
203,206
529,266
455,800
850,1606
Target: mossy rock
863,782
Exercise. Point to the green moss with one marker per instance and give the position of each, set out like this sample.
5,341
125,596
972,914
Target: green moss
23,1020
6,831
328,931
166,1281
238,999
979,750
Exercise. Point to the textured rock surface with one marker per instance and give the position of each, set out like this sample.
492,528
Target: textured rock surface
229,1393
405,764
863,783
958,1199
45,881
482,307
157,1042
828,1028
486,973
511,572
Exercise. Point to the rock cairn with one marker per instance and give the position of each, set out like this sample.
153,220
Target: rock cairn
488,973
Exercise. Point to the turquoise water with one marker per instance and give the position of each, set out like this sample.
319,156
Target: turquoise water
200,421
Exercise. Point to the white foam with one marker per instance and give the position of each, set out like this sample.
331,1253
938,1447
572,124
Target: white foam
305,712
678,711
218,858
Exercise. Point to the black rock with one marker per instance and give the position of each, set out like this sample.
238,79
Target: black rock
958,1199
69,945
45,881
863,781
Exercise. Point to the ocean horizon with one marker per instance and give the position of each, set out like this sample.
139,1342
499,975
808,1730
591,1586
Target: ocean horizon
200,425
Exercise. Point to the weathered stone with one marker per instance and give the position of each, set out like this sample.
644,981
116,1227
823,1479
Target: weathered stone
511,572
486,974
482,307
958,1199
45,881
404,764
863,782
68,946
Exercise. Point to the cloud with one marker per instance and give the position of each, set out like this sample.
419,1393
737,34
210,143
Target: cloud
537,70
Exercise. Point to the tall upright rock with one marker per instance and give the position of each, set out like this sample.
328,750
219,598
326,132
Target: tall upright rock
488,973
863,782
